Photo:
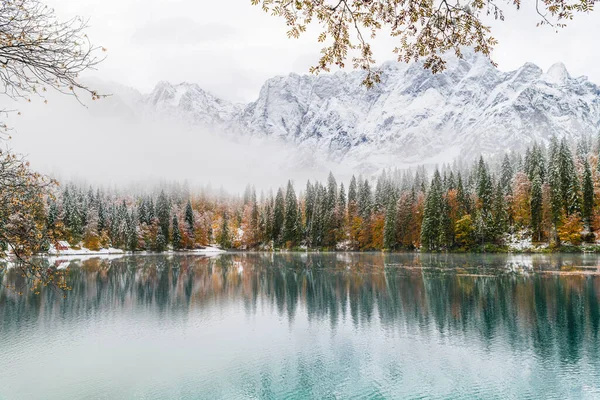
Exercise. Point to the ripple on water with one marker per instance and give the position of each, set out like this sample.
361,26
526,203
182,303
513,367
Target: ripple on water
351,326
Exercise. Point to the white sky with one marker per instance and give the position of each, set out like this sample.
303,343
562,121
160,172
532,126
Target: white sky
228,47
231,47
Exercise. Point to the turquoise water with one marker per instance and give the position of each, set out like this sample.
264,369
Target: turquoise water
297,326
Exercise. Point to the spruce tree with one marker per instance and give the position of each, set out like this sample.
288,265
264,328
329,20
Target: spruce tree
464,204
132,232
506,175
176,236
569,183
161,242
254,220
309,206
352,197
432,216
341,214
588,195
554,180
189,217
290,235
536,208
163,213
102,217
224,238
364,200
278,218
390,225
501,214
52,217
485,197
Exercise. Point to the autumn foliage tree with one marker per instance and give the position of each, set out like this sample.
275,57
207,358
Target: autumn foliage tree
23,220
424,29
38,51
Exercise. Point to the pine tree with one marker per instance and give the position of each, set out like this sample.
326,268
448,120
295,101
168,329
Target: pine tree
389,229
500,211
554,180
569,183
352,198
290,235
464,204
52,217
161,242
536,207
224,238
254,220
299,227
163,213
331,220
176,236
446,226
309,206
189,217
364,200
588,195
485,197
341,214
132,232
431,228
506,175
278,218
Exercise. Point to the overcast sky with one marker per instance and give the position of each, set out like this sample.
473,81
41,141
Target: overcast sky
230,47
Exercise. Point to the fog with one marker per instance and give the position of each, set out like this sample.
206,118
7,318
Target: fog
106,143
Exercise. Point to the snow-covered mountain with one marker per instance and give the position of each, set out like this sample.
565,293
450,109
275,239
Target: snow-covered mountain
413,116
189,102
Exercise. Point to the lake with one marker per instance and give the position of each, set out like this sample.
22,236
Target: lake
299,326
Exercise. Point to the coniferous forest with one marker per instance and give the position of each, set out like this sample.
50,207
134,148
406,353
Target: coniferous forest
546,198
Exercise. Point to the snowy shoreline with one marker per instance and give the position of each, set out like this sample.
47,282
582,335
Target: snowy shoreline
52,252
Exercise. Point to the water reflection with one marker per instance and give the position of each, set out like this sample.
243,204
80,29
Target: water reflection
487,298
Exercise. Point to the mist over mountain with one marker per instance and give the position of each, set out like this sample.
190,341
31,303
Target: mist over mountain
413,116
331,121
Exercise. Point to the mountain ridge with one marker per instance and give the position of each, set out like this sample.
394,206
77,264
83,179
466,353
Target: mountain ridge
412,116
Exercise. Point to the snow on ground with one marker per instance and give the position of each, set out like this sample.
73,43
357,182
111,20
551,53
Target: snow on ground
207,249
84,252
519,242
64,261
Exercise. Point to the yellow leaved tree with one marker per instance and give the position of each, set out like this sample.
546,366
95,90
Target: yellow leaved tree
38,52
425,29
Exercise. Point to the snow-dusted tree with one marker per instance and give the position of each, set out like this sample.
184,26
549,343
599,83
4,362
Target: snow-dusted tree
587,205
224,237
133,234
189,216
352,198
506,175
163,213
431,229
23,219
365,202
389,231
278,217
291,237
485,197
536,208
177,239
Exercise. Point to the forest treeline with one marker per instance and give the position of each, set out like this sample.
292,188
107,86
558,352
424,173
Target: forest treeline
548,195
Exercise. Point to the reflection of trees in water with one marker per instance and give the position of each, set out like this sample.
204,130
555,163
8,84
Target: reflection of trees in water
551,314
